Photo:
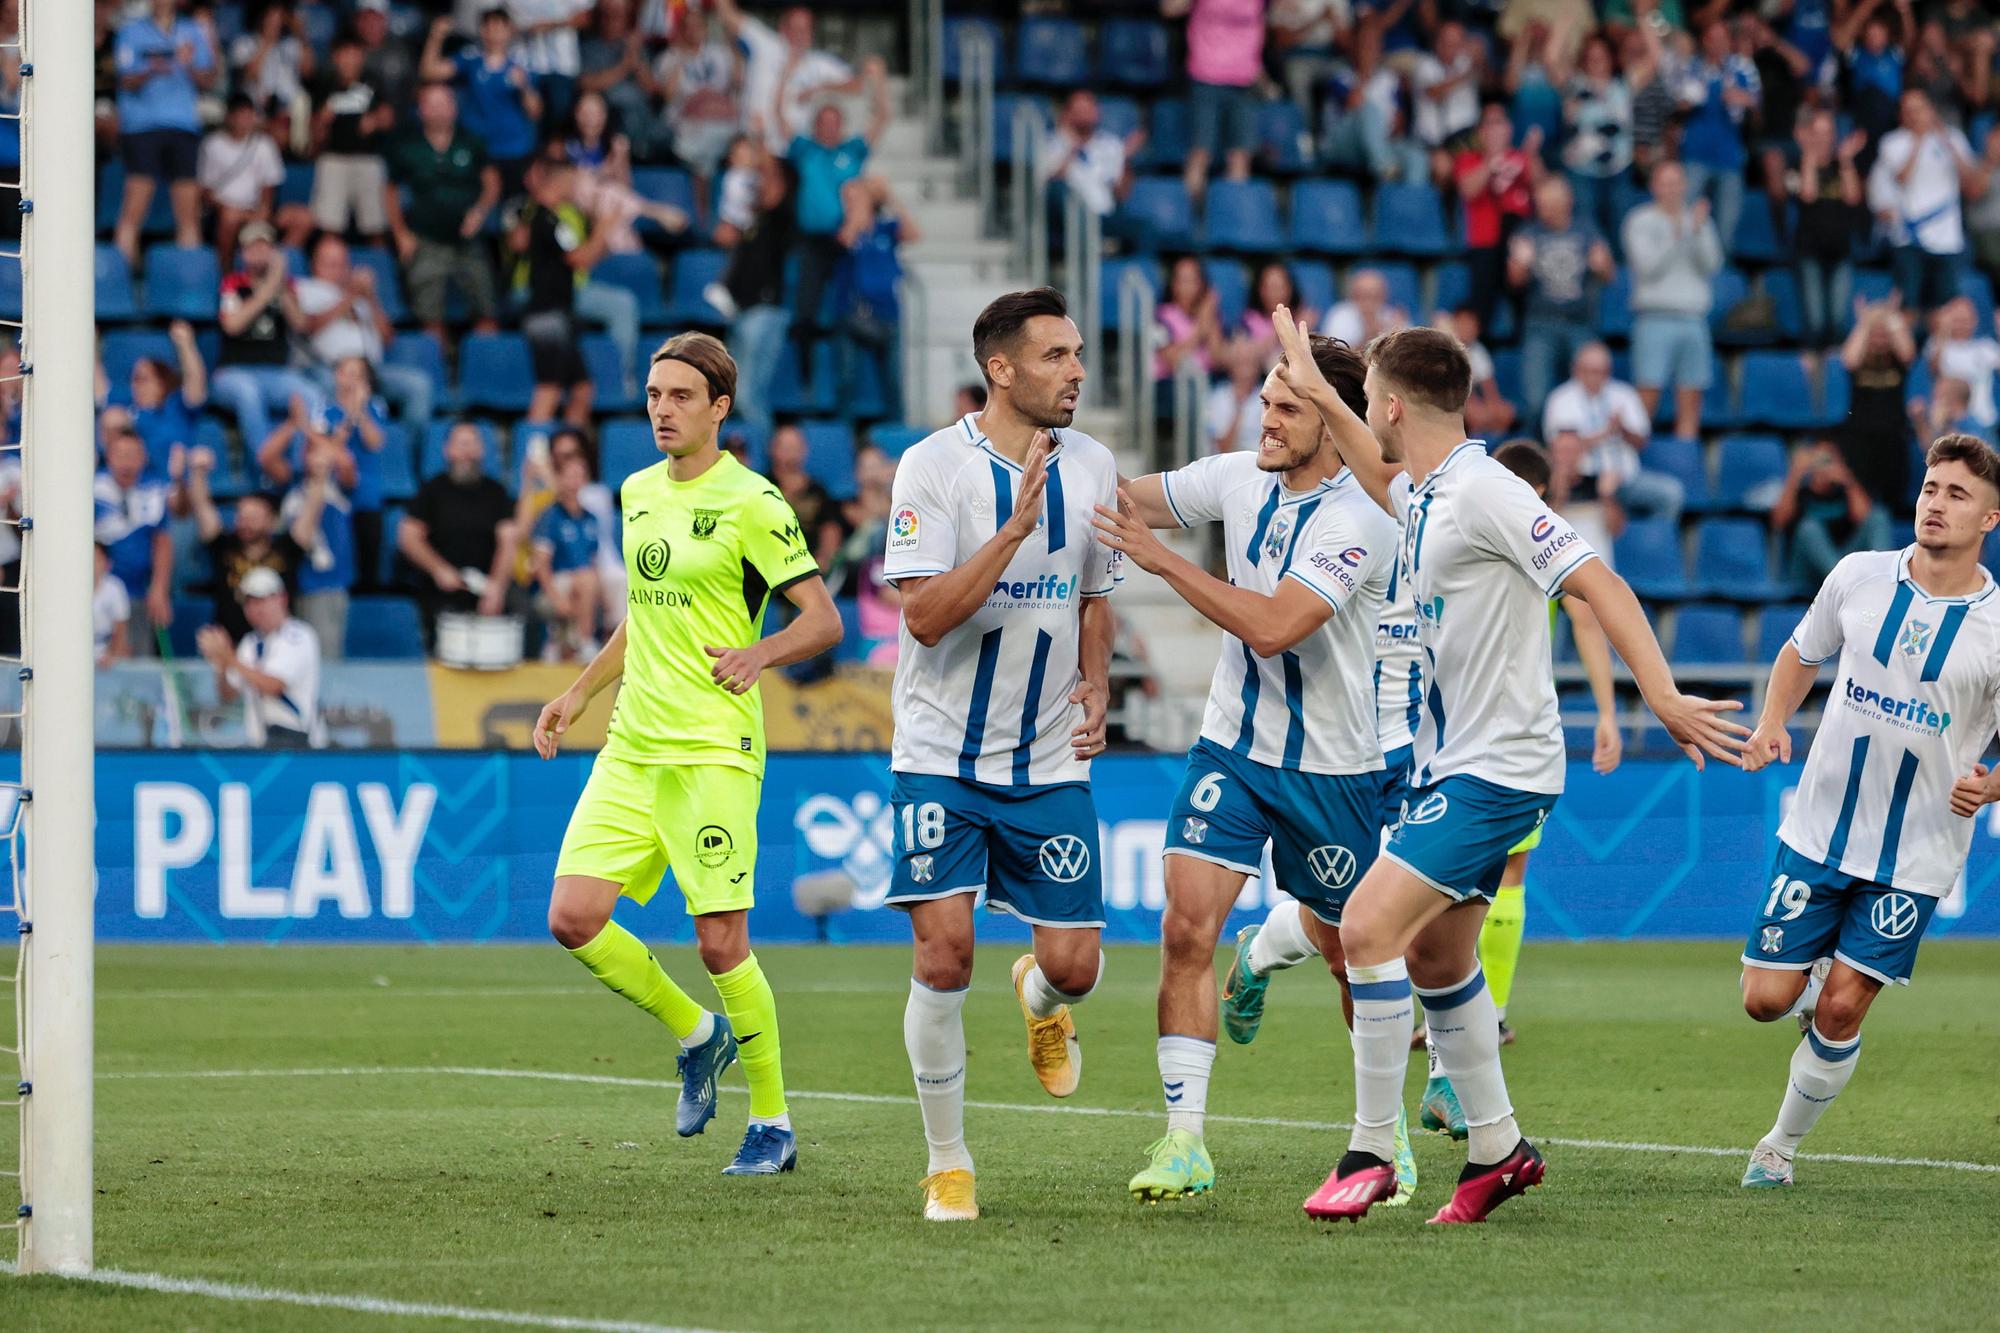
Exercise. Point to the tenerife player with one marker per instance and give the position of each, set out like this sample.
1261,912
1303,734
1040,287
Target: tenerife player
1882,821
1287,753
1482,556
707,541
1000,695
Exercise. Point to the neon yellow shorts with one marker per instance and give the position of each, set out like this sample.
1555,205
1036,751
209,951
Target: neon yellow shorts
634,822
1527,844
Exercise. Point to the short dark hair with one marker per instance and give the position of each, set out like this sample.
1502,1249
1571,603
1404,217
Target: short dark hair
1970,450
707,355
265,498
999,325
1344,370
1525,459
1428,366
976,391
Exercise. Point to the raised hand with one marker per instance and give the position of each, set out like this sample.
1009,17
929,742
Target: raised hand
1300,373
1121,530
1034,480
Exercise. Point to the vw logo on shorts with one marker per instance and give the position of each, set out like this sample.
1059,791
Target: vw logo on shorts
1894,915
1332,866
1427,811
1065,859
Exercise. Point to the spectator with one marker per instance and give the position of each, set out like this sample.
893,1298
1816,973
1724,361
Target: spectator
259,312
603,160
1535,69
1391,33
1950,412
546,454
501,105
240,171
1874,75
1445,88
857,568
1597,112
819,515
1875,438
555,247
825,163
131,521
1717,93
1958,351
1827,512
1982,216
612,58
1189,322
163,403
106,78
968,400
353,432
349,175
271,61
453,189
742,178
252,540
274,669
164,62
1829,192
1920,172
1235,411
548,46
1308,36
1366,313
459,534
388,65
1674,254
565,544
110,613
1488,414
1364,128
1784,75
1650,68
1225,59
753,293
1930,67
1275,286
1556,262
783,73
1595,427
1087,160
1495,182
865,288
701,81
321,518
342,318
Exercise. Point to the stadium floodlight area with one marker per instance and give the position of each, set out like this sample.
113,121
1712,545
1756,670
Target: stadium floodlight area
46,818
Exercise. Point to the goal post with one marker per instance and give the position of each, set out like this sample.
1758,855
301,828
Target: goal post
57,463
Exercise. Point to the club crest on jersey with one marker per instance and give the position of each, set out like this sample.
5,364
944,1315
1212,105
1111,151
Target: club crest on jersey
1894,916
1064,858
1772,940
922,868
1427,811
1916,640
1195,830
703,528
903,529
1274,540
1333,866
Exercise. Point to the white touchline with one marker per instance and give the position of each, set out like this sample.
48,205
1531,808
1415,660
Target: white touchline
883,1099
373,1305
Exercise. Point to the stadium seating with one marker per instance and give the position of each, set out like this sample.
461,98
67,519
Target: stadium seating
384,627
893,439
1166,146
1232,288
388,285
181,284
1160,206
1752,469
420,350
1409,220
830,456
1775,624
1052,52
1648,555
1133,53
495,372
1327,218
607,374
625,446
1242,216
1113,278
1733,563
1682,460
1778,391
693,271
1283,142
117,300
1708,635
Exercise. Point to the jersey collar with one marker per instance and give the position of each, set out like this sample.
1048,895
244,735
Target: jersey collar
1903,575
1288,497
1477,446
969,430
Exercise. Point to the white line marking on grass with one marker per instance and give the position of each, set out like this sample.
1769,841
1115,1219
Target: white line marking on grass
371,1305
362,990
883,1099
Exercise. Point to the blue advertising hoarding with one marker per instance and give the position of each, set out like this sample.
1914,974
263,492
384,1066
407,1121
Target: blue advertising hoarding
456,846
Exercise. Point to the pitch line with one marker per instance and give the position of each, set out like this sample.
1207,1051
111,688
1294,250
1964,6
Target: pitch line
884,1099
369,1305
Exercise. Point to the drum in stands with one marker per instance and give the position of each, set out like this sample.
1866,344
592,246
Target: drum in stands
478,643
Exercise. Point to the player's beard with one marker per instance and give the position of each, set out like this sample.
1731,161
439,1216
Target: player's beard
1290,454
1054,416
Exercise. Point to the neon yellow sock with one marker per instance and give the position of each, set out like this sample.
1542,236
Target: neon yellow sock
618,959
753,1012
1500,941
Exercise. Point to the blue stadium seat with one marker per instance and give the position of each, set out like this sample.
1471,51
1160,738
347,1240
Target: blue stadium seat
182,284
1733,558
1774,628
830,456
1614,307
385,558
1159,205
1166,146
384,627
1327,218
894,438
1648,554
495,372
853,645
1406,289
625,447
159,220
665,185
190,614
1409,220
792,396
954,29
1112,277
1005,107
1119,115
1680,459
1708,635
1451,285
1133,53
10,288
388,282
1731,289
1977,286
1778,391
1283,142
431,460
1782,286
1719,410
1507,374
1314,280
1752,469
1232,288
115,298
121,349
1757,240
1836,388
399,465
228,481
297,187
1052,53
1870,284
694,270
1242,216
422,351
607,375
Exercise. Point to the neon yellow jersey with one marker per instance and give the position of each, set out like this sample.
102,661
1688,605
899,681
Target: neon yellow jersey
702,559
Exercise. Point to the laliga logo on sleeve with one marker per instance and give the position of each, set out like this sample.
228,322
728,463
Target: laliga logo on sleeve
903,529
1541,530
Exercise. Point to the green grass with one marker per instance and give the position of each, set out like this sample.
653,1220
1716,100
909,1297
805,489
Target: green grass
576,1199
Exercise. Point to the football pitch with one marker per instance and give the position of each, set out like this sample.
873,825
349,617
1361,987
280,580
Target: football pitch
481,1137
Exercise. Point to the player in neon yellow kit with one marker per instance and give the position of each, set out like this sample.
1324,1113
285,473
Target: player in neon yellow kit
707,541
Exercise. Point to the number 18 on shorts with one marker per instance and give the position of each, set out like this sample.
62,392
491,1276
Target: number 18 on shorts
1032,850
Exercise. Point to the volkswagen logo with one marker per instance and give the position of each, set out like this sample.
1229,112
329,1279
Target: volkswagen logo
1331,865
652,559
1065,859
1894,915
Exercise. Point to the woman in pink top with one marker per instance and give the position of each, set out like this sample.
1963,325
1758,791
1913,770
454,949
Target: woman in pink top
1275,287
1190,325
1225,43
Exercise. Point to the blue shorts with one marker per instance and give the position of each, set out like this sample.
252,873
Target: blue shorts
1395,776
1675,351
1455,834
1032,850
1322,827
1811,911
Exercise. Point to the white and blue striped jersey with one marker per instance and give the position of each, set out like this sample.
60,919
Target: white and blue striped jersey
1917,701
1311,707
990,703
1399,672
1482,555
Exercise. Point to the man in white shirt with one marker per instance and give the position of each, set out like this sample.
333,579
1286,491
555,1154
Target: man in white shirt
1922,170
240,171
783,74
1445,86
1882,822
343,317
1366,313
1092,163
275,670
1594,427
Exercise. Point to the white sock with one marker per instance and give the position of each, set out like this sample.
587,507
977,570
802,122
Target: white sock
1808,998
1044,999
1184,1066
1820,1069
1432,1069
1382,1015
1283,941
1465,1037
934,1035
702,1032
